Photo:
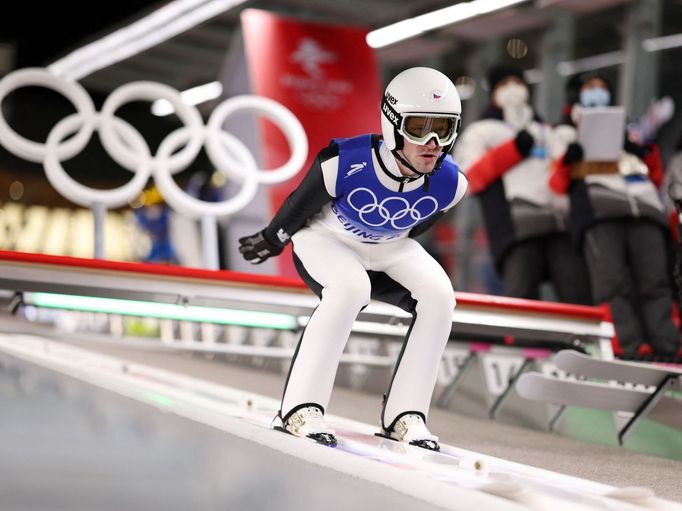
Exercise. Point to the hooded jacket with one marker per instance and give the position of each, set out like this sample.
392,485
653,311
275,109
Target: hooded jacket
516,200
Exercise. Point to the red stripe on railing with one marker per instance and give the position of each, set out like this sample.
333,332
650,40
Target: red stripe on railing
151,269
469,299
520,304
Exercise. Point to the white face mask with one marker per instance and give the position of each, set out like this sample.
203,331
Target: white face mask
518,116
510,95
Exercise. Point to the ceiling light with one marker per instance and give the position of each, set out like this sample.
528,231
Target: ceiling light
662,43
517,48
572,67
412,27
164,23
193,96
119,37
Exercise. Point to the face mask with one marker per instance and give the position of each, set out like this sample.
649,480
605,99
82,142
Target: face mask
510,95
595,97
519,116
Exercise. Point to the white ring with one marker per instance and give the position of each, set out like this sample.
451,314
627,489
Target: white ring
35,151
150,91
86,196
128,147
277,113
196,208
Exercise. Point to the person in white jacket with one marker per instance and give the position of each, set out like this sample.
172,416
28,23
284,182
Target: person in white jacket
619,222
504,158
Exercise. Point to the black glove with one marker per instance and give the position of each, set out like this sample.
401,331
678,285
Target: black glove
524,142
638,150
573,154
256,248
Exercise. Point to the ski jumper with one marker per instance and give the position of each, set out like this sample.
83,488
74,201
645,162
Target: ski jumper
351,221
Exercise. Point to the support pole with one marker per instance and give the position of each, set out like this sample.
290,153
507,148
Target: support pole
99,215
209,242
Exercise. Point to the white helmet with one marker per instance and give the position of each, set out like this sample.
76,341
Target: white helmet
419,104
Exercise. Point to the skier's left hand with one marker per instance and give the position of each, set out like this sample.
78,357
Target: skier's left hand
257,248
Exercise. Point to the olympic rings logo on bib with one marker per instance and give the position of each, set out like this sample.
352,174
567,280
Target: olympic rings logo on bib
128,148
396,210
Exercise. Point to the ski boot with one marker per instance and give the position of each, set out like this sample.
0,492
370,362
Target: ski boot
307,422
410,428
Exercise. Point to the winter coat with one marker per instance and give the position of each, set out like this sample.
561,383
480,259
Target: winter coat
516,200
607,191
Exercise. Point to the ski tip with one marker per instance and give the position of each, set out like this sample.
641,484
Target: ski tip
324,438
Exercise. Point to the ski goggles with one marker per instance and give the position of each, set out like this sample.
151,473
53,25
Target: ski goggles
420,128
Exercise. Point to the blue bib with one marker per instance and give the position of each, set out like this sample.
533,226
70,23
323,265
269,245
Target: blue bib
368,209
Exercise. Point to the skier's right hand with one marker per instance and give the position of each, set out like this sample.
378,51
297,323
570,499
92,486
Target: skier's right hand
639,150
256,248
574,153
524,142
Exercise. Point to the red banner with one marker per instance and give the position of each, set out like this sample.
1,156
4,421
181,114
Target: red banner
325,74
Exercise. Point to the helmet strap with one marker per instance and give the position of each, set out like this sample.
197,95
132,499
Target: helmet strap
439,162
446,150
425,175
399,140
405,163
441,158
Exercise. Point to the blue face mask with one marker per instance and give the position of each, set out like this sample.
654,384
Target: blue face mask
595,97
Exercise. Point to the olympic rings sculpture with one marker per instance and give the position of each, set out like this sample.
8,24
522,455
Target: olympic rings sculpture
384,212
129,149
